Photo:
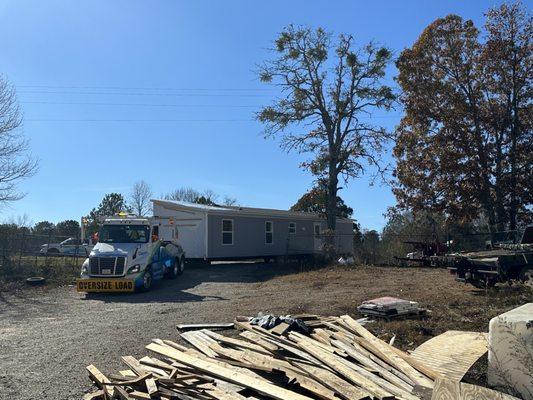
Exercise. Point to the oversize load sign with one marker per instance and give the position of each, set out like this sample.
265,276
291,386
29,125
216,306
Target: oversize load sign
104,285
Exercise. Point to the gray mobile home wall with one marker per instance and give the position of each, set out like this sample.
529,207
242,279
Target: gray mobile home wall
344,237
249,237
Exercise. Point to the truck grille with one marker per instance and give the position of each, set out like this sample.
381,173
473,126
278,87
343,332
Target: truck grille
107,266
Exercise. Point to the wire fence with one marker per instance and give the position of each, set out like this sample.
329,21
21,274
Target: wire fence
55,257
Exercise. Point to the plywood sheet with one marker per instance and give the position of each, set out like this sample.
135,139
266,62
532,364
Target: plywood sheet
452,353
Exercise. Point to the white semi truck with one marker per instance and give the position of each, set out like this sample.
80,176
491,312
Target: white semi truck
132,253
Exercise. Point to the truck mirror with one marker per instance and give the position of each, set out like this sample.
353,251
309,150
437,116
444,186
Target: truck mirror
155,238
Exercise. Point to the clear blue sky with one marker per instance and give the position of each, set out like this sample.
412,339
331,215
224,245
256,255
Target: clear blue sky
165,91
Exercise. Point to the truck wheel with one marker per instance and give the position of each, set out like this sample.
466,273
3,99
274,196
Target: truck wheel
180,266
527,277
147,281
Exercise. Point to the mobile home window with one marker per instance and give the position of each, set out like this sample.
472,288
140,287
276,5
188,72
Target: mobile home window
227,231
269,232
292,227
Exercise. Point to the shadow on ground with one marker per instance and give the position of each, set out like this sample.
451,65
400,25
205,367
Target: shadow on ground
168,291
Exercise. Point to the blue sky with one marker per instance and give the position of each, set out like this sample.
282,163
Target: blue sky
117,91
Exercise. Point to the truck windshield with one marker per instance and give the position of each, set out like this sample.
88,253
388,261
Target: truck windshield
124,234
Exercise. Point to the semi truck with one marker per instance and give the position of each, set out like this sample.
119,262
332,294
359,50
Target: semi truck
131,254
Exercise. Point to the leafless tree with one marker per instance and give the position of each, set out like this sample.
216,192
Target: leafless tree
140,198
186,194
230,201
15,162
190,195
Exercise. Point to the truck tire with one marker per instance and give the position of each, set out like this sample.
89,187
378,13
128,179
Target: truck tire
180,263
173,272
147,281
35,281
526,276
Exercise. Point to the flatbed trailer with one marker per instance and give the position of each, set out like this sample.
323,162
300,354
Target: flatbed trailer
509,262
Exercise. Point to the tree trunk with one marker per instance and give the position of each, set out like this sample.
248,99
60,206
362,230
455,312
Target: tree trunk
331,199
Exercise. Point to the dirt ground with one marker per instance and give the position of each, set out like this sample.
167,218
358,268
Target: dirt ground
49,335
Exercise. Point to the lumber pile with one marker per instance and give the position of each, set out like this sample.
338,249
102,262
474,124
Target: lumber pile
340,359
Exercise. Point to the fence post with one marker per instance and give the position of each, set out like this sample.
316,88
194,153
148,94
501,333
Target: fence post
21,249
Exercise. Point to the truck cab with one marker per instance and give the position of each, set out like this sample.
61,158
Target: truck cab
130,255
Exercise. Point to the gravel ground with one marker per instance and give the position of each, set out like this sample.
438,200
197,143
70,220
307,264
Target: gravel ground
49,335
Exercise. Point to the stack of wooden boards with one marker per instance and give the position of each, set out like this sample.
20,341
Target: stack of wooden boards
340,360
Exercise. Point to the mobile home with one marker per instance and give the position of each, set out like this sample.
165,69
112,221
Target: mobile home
227,232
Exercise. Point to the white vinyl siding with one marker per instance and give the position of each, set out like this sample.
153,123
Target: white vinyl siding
269,232
227,231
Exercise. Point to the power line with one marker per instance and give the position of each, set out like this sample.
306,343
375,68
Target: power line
143,94
147,88
137,120
138,104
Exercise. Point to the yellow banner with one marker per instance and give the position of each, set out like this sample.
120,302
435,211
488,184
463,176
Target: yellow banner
105,285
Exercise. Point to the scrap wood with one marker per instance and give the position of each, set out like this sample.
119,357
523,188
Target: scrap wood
236,342
449,389
187,327
339,360
97,395
210,368
452,353
386,353
100,379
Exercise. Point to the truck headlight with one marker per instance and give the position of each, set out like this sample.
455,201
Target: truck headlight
136,268
85,268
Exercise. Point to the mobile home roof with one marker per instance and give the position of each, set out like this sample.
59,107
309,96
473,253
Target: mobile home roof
266,212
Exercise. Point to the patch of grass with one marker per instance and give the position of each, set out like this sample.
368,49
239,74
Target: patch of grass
56,270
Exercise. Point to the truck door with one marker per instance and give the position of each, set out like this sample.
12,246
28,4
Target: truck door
158,260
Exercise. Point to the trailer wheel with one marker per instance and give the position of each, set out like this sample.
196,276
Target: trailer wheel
526,276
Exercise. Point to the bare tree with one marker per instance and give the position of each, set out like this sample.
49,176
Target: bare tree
230,201
186,194
140,198
328,92
15,162
190,195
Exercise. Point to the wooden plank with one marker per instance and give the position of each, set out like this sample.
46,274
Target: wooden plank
140,369
311,385
446,389
280,329
238,378
100,379
344,389
236,342
186,327
198,343
351,375
151,386
139,395
257,339
385,351
453,353
418,365
348,339
98,395
367,362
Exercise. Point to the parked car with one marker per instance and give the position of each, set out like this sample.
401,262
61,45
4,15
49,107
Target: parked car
68,247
